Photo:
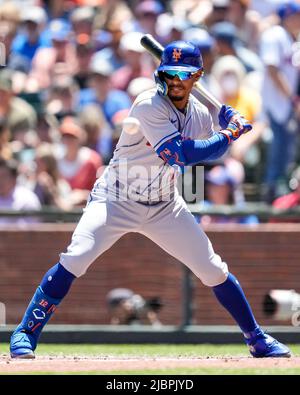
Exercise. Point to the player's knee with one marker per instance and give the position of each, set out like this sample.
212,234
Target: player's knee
214,273
80,254
76,264
214,278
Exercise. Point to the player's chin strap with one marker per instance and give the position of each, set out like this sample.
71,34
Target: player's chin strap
162,87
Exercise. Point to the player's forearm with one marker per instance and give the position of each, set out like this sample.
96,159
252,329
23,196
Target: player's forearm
196,151
180,153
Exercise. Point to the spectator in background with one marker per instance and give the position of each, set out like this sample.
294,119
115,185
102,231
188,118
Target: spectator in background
224,187
5,148
59,59
58,8
229,74
12,195
229,43
78,165
112,52
129,308
265,8
101,92
20,115
30,36
10,12
171,27
47,128
51,189
84,50
110,11
218,12
8,31
62,98
135,64
279,96
247,22
98,131
291,199
82,19
146,13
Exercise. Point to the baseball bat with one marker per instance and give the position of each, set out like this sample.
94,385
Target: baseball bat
156,49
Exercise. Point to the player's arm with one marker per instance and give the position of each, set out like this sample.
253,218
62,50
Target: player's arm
180,153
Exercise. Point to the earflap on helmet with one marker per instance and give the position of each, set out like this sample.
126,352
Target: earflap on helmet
161,85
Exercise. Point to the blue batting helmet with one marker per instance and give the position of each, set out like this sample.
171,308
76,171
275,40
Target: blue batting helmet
181,55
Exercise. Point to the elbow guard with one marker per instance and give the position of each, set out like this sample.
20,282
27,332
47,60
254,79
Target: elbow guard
172,152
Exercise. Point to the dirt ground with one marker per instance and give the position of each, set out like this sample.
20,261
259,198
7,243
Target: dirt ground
76,364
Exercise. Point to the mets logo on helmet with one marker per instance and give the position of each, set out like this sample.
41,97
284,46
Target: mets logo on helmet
176,54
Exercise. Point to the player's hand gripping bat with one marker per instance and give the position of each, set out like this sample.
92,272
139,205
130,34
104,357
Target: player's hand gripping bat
156,49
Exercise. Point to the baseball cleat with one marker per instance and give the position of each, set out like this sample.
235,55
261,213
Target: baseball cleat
25,337
21,345
262,345
22,353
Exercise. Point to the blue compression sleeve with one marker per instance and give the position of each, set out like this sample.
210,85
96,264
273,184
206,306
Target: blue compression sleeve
182,153
172,153
196,151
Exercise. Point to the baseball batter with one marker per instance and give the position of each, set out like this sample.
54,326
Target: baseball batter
137,193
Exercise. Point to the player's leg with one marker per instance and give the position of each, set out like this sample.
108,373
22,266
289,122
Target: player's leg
176,231
101,225
48,295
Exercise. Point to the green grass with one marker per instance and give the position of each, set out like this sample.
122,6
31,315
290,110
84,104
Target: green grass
139,350
145,350
160,350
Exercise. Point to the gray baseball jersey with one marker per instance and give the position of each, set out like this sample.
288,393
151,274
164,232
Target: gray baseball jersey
135,169
137,193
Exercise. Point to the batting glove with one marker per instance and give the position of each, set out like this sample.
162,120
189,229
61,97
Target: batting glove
225,115
234,130
228,114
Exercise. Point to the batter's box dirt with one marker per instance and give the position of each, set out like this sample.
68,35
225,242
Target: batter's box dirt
107,363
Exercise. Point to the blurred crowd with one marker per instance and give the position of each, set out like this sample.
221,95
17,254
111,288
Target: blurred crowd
70,70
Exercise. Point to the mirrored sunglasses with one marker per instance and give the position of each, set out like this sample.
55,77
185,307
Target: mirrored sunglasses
182,75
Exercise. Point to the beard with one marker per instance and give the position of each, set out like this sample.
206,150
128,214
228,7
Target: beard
176,98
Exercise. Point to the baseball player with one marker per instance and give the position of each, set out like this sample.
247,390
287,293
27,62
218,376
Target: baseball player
137,193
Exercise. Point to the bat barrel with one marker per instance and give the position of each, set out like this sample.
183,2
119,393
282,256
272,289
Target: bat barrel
152,45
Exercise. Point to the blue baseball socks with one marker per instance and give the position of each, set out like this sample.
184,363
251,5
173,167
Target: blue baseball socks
54,286
57,282
231,296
